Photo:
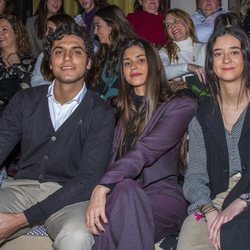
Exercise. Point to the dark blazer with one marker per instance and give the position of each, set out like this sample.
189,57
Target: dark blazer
155,155
74,156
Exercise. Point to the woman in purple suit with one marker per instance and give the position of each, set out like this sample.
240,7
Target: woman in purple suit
138,201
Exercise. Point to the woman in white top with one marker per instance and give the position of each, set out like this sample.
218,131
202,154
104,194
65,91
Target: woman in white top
183,54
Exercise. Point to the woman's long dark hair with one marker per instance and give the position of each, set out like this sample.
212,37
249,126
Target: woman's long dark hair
157,90
211,78
121,32
41,21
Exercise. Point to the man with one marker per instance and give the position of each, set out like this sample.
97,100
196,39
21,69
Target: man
66,134
204,17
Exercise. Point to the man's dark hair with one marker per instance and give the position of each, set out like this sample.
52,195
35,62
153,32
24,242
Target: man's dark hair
63,30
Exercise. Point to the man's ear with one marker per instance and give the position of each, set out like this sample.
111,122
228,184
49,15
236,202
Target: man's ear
89,65
50,65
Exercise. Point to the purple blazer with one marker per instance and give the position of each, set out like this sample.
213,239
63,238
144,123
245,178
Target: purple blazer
155,155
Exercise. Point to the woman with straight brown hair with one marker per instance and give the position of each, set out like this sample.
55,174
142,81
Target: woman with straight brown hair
138,200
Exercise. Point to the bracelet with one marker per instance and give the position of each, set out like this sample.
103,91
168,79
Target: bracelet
207,208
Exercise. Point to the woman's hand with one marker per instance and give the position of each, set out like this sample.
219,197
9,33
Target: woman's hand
235,208
210,218
197,70
96,209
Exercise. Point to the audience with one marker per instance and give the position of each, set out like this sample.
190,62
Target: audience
36,25
217,179
42,73
16,64
113,31
204,17
138,200
183,55
147,20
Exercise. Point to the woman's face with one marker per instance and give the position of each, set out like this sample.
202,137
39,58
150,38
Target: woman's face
7,35
87,5
150,6
228,63
176,28
208,6
2,6
102,30
54,6
135,68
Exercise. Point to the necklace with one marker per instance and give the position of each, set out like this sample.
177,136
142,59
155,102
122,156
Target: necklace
194,58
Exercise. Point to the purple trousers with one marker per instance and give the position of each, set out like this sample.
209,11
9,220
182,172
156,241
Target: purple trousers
139,217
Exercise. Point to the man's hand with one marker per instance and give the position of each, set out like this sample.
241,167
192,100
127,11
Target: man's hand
10,223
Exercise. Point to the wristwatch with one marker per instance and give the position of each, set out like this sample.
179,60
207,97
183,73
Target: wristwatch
246,198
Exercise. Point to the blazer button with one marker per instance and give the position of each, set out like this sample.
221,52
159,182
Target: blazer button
45,157
40,176
53,138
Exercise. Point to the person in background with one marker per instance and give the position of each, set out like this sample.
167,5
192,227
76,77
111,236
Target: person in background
36,25
42,73
183,55
226,20
85,18
66,133
147,20
6,6
138,200
204,17
217,181
113,31
88,9
16,62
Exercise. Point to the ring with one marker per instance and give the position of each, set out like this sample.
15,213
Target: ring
96,217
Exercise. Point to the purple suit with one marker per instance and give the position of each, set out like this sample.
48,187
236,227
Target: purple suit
147,203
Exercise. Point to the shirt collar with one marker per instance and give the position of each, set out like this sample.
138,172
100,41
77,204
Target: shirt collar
78,98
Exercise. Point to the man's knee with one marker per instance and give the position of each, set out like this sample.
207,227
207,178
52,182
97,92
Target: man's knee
77,240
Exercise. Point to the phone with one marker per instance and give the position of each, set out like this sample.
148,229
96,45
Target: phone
198,88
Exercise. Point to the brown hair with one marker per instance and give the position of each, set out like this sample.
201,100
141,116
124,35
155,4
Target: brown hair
157,90
42,12
23,46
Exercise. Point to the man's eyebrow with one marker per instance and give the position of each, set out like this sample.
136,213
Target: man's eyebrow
73,47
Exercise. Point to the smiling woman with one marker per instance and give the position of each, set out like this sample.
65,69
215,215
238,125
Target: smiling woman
36,25
217,181
113,31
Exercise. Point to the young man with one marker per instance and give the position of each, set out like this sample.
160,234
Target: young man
66,134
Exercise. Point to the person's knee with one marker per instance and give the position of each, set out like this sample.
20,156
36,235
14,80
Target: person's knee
77,239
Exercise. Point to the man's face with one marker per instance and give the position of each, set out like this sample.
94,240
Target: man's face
69,60
208,6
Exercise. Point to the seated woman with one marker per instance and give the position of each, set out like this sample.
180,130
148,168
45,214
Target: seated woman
217,182
113,31
138,201
42,73
36,25
183,55
147,20
16,64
